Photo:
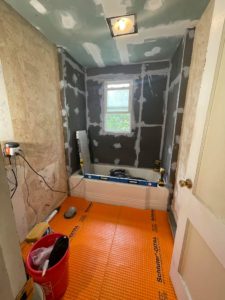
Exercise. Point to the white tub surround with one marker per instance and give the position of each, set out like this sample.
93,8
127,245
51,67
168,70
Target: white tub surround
143,197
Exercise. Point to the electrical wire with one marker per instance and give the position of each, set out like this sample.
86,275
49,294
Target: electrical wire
28,193
74,187
10,181
53,190
15,177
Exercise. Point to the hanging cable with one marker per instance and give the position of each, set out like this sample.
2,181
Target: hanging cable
53,190
76,185
28,193
15,177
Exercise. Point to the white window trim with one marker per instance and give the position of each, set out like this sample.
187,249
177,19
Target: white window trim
106,83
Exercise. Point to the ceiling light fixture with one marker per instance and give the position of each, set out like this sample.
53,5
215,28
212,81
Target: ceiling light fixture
38,6
122,25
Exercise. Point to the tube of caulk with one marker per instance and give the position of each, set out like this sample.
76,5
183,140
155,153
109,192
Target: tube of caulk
51,216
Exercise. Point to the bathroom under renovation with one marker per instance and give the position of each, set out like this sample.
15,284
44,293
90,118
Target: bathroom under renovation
112,143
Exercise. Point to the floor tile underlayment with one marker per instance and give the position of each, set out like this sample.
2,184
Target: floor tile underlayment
116,252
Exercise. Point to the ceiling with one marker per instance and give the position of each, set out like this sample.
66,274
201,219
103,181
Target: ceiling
80,27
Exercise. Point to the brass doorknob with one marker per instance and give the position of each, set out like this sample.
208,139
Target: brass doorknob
186,183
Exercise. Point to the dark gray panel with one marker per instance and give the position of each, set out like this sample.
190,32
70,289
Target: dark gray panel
152,66
74,153
172,103
179,121
183,91
153,92
188,47
187,54
176,62
180,61
94,90
128,69
74,103
149,146
74,77
77,107
120,69
75,122
186,64
69,57
103,147
136,97
169,126
93,135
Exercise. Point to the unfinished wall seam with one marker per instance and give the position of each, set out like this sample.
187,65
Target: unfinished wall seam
141,100
76,90
86,105
166,96
178,98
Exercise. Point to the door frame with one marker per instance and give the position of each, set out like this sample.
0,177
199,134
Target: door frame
210,228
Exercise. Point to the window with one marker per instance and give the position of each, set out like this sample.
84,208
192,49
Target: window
117,116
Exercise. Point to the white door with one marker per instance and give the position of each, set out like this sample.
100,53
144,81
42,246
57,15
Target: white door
198,262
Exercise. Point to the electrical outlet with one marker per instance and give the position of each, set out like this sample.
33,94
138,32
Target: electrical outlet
11,149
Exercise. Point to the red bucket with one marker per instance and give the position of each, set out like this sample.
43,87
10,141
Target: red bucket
55,280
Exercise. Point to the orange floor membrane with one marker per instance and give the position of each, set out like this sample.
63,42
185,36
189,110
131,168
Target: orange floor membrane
116,253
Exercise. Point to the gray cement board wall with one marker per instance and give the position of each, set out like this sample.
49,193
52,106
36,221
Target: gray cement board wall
73,99
142,146
180,64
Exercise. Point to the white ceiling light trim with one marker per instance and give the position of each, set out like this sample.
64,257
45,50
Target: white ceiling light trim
39,7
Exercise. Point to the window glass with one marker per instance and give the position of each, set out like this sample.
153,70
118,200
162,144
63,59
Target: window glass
117,116
117,122
118,100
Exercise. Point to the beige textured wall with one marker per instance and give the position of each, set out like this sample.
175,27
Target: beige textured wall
194,84
12,273
30,68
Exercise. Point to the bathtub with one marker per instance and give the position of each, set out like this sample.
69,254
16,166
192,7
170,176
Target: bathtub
97,187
